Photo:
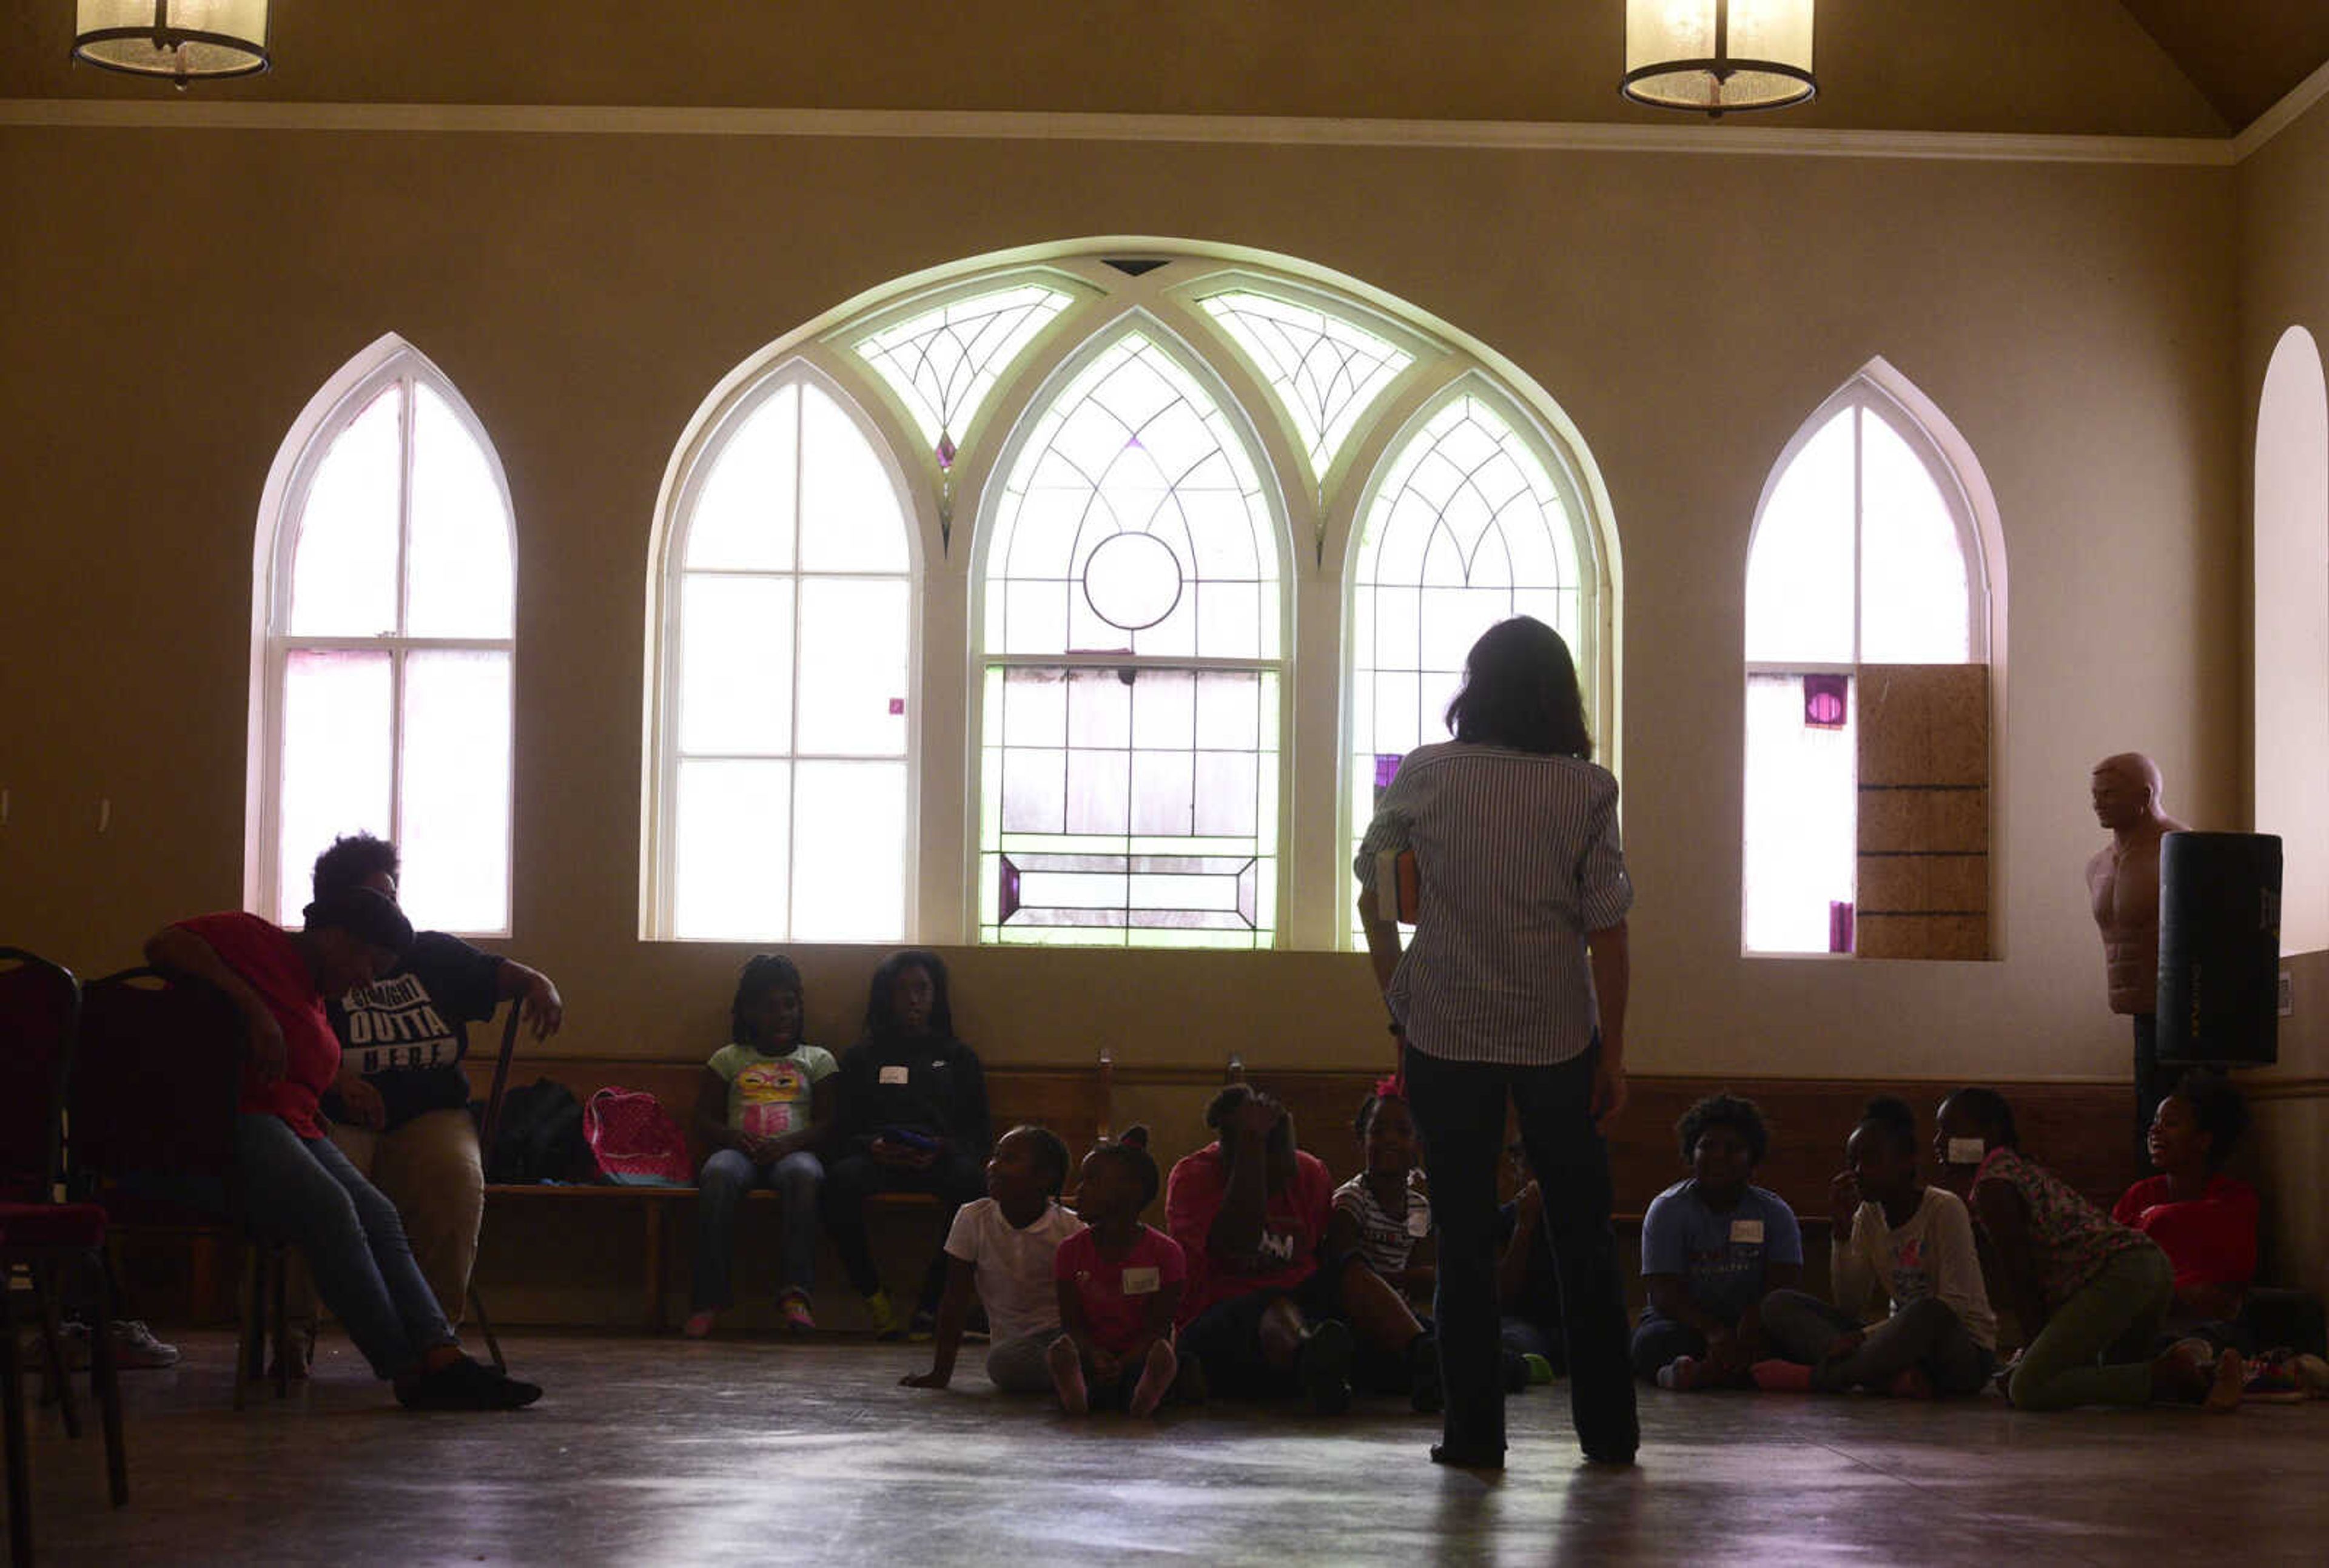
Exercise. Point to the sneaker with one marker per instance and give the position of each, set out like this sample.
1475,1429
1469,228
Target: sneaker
883,1315
794,1310
1323,1368
1539,1369
1681,1374
464,1384
698,1325
134,1346
922,1327
2272,1382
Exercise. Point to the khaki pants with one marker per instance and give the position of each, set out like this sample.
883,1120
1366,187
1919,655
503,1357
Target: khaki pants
431,1170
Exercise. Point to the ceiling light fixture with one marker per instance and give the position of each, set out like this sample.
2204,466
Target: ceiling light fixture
1713,56
177,39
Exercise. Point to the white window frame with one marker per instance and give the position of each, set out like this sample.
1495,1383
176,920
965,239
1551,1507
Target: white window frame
661,855
1880,390
390,362
1062,376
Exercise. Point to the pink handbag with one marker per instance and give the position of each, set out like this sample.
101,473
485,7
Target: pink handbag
634,1140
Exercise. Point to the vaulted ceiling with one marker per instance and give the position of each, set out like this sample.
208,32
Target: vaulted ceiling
2203,68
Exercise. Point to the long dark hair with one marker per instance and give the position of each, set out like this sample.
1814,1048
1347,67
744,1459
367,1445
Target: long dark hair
1520,692
882,1020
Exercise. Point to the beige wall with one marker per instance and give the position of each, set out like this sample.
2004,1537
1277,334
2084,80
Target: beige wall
177,296
2283,283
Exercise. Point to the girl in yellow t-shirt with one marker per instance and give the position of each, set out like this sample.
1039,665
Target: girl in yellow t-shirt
765,1102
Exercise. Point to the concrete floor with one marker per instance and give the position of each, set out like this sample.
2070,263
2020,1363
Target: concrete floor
655,1452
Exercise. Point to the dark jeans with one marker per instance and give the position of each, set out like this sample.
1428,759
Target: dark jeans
1925,1334
1459,1109
727,1176
1225,1338
954,1180
1658,1340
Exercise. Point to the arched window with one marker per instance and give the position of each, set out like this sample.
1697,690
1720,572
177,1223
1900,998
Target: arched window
1132,631
789,665
1868,632
1166,555
1468,525
386,578
2292,630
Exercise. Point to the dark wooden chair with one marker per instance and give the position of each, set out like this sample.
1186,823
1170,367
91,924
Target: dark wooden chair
156,1086
40,1015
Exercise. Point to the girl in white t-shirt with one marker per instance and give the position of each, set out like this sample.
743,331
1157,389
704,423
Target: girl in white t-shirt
1001,1246
1913,1244
1383,1212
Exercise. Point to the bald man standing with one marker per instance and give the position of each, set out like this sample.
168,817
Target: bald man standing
2123,883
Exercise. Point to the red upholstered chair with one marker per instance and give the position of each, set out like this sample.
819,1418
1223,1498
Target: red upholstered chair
156,1084
39,1007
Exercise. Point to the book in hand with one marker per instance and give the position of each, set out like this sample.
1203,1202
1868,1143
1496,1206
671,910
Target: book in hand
1396,888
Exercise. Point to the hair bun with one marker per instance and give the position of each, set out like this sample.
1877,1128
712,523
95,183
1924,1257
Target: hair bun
1134,1136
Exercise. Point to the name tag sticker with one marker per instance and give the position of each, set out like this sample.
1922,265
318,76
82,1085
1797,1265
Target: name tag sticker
1965,1151
893,1075
1747,1233
1140,1281
1418,1222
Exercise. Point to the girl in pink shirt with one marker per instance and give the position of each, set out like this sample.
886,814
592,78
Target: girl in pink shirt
1120,1284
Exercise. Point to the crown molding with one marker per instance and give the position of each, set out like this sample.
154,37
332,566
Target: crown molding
2282,115
1249,130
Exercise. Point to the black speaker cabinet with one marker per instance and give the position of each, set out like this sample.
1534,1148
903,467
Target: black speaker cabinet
2219,948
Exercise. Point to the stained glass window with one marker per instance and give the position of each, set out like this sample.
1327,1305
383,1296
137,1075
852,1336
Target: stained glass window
1861,556
790,668
943,363
1466,528
389,652
1325,370
1129,781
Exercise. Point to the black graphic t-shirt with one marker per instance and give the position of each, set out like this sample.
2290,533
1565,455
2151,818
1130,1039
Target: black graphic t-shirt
407,1032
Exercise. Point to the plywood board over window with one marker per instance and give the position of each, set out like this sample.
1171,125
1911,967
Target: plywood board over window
1924,811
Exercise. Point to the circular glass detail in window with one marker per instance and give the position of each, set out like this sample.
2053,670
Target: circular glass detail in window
1132,580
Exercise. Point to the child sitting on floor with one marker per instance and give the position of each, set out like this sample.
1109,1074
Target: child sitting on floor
1713,1245
1384,1213
1119,1283
1003,1245
2082,1286
1911,1243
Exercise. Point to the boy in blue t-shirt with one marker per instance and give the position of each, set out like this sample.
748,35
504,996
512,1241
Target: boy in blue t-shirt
1712,1247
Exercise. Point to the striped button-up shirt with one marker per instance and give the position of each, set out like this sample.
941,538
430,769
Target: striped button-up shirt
1516,859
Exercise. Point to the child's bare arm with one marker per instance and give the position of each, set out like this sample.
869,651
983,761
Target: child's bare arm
1073,1321
953,1308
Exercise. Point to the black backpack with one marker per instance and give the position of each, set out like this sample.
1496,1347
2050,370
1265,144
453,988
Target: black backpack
540,1139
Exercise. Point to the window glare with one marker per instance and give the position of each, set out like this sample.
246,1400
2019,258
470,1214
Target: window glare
943,363
460,552
335,773
344,560
456,778
1802,810
1799,575
1912,567
1325,370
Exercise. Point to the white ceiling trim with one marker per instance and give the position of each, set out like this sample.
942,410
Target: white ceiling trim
1734,140
2282,115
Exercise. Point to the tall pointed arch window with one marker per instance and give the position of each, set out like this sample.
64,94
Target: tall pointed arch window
388,646
2292,629
1868,693
1470,523
1131,633
789,670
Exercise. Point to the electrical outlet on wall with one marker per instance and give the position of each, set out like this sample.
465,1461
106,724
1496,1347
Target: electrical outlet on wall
2287,993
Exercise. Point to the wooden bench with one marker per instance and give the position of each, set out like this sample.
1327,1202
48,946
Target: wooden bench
1072,1101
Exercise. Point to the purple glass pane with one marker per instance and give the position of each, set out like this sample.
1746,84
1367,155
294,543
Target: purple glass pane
1839,927
1009,877
1825,700
1386,770
944,451
1248,880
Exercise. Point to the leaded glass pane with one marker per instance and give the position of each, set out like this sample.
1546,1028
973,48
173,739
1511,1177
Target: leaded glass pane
943,363
1133,499
335,769
1799,573
455,826
1131,799
1466,528
1325,370
343,562
458,566
1914,605
848,818
743,515
1802,816
732,860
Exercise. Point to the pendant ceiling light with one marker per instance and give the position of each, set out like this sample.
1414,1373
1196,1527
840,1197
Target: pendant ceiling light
1713,56
178,39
